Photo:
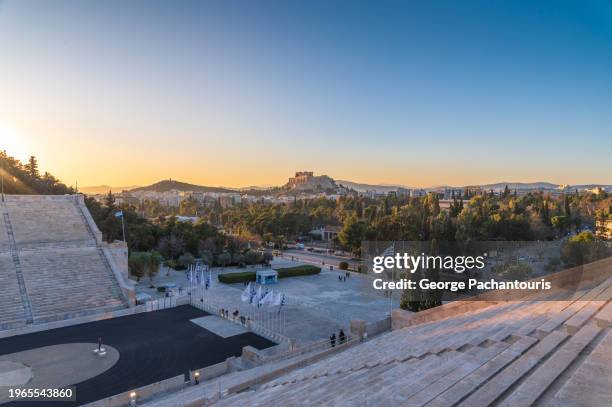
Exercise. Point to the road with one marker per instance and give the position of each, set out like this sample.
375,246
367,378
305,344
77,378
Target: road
319,258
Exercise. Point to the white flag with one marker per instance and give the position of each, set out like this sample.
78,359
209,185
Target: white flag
246,294
258,297
268,298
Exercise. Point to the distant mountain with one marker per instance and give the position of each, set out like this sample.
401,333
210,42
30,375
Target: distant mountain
103,189
498,186
169,185
254,187
384,188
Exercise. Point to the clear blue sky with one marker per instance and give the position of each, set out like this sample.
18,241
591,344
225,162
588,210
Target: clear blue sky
246,92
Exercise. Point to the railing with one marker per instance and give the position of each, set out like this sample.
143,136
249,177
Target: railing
312,347
159,304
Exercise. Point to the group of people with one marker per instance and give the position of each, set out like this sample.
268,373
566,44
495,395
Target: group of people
341,338
235,316
344,277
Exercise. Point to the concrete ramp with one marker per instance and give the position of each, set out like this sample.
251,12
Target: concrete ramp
219,326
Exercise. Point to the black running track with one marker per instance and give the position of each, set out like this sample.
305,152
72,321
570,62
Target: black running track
152,346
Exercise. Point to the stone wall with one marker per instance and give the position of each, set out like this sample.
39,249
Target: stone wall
142,393
119,251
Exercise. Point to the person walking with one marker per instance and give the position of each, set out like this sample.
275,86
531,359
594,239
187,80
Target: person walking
332,340
341,337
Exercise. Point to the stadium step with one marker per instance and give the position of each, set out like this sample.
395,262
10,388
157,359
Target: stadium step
495,387
57,269
604,317
475,379
537,382
25,300
589,384
572,309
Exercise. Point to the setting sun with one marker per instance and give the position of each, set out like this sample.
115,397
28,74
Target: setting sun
13,143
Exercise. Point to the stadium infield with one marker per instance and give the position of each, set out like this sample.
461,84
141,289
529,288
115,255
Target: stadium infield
152,346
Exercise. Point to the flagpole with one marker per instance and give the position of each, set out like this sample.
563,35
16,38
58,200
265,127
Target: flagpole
123,226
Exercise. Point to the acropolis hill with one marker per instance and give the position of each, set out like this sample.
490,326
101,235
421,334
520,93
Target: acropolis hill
307,181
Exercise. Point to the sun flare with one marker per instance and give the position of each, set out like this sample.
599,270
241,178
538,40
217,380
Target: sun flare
12,141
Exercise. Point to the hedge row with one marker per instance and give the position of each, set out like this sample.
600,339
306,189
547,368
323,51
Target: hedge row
304,270
245,276
232,278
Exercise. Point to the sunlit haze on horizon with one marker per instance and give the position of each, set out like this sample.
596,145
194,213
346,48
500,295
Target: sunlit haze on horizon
238,93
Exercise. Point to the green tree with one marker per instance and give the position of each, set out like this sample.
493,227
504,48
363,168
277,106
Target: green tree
153,263
353,233
185,260
137,264
223,259
279,242
267,238
584,248
32,167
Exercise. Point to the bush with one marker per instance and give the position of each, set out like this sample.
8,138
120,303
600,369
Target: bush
516,271
223,259
245,276
185,261
305,270
583,248
137,264
232,278
252,257
267,257
343,265
553,264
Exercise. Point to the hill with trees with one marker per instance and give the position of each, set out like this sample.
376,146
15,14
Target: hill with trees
26,178
169,185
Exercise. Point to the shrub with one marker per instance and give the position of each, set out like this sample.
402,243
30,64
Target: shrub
267,257
304,270
223,259
252,257
553,264
137,264
184,261
241,277
516,271
583,248
232,278
343,265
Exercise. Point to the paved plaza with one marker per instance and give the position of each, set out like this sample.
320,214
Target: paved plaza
316,305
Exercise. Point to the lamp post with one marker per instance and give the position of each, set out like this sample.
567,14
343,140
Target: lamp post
196,376
133,398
